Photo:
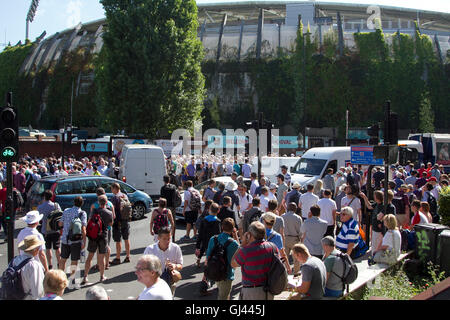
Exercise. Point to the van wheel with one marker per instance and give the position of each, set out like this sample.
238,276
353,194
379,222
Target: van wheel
138,211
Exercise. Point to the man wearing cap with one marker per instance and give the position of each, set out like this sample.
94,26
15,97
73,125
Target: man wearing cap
340,180
286,174
436,188
32,220
281,192
292,196
32,273
398,181
307,200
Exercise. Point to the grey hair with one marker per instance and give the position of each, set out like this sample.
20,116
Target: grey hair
348,210
152,263
257,230
96,293
328,241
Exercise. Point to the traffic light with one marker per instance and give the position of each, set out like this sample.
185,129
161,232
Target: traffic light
372,132
393,128
269,126
9,132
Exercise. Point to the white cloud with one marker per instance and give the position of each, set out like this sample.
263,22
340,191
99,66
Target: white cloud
73,10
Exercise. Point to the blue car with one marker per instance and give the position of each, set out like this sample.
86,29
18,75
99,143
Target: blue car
66,188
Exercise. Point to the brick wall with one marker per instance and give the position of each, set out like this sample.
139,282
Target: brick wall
48,148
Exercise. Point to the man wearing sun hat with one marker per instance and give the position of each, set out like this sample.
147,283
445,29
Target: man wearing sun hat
32,219
32,273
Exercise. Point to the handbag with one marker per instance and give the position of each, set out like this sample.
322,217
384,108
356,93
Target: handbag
171,277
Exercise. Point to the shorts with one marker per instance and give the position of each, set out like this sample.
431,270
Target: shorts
121,232
73,250
52,241
99,244
190,217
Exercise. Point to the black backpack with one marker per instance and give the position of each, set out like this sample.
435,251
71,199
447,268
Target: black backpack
433,207
217,267
255,217
399,205
350,273
295,198
11,280
277,277
350,179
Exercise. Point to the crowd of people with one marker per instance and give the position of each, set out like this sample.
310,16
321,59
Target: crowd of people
308,228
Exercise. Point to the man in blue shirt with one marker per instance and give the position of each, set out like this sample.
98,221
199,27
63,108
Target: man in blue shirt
229,234
268,220
190,171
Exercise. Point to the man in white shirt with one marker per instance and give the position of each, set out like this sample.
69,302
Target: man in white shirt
307,200
264,199
350,200
148,272
328,212
32,273
245,200
32,220
169,253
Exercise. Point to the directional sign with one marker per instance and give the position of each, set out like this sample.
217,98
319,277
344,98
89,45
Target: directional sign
364,155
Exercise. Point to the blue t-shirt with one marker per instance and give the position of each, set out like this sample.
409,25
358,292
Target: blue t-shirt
276,238
190,170
232,247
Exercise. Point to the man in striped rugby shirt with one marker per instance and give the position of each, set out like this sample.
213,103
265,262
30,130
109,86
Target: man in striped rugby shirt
349,240
254,258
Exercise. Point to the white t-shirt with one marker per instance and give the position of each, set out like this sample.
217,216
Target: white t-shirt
244,202
423,218
264,203
355,205
159,291
390,237
307,200
326,209
173,253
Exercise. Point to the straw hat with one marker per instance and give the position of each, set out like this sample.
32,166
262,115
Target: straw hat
30,243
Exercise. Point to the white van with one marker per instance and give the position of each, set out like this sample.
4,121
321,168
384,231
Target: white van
314,163
271,166
143,167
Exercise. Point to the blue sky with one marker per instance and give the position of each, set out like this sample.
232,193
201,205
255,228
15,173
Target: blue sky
56,15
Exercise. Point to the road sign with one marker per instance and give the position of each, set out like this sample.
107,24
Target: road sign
364,155
323,20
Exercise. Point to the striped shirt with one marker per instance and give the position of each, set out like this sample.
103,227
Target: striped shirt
349,234
255,260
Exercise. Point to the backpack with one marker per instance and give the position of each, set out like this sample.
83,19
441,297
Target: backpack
94,229
75,233
295,198
161,220
217,267
195,203
350,179
350,273
55,214
11,280
433,207
176,198
255,217
126,209
399,205
277,277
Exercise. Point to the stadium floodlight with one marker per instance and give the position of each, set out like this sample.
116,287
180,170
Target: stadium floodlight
30,16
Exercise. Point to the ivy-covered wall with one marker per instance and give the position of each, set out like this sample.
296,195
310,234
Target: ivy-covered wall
312,90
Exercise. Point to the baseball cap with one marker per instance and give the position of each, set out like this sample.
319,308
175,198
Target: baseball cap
273,186
432,179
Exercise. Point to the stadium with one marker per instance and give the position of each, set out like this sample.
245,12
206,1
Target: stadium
239,30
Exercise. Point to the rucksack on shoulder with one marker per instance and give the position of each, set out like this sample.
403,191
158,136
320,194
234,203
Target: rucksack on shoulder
11,281
195,203
433,207
94,229
256,216
53,219
75,233
295,198
277,277
217,267
350,273
161,220
126,209
176,198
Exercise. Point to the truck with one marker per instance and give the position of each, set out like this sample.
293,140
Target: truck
431,147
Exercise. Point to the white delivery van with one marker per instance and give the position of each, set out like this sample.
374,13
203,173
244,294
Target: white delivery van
143,167
271,166
314,163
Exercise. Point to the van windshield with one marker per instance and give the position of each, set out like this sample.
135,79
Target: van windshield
311,167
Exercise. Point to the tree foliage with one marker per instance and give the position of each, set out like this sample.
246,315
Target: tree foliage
151,76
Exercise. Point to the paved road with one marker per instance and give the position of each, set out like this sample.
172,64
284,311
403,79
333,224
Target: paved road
121,283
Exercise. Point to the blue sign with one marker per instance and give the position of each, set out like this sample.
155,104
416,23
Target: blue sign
95,147
364,155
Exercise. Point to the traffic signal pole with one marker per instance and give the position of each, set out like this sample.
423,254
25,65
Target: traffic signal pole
387,113
10,217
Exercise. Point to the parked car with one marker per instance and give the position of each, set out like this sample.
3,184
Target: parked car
66,188
201,187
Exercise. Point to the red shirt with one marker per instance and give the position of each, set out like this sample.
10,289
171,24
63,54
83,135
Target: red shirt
3,198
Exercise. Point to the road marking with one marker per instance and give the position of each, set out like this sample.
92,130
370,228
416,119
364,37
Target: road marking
109,290
131,298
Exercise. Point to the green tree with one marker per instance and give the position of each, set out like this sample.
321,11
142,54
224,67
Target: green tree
426,115
151,76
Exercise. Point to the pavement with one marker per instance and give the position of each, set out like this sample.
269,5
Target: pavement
122,282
